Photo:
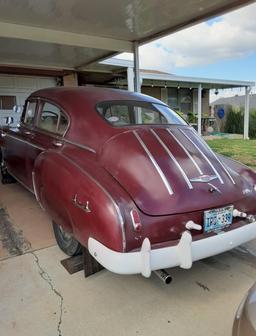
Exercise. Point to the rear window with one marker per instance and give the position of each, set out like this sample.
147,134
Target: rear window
127,113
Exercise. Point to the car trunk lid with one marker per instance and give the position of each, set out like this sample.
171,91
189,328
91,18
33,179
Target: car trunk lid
169,170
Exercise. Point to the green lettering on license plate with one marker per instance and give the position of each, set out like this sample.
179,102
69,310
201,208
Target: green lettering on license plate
217,219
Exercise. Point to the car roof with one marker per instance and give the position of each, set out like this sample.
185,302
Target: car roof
80,104
89,95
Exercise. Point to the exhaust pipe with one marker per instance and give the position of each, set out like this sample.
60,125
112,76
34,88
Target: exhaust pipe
164,276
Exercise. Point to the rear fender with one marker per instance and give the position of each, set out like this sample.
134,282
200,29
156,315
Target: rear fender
64,189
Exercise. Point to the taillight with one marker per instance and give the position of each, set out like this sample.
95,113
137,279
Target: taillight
135,220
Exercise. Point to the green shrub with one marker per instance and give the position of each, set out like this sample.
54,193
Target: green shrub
252,127
235,121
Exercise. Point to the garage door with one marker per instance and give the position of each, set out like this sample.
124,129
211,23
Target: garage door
15,89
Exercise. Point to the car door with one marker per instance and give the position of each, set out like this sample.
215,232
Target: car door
17,143
50,126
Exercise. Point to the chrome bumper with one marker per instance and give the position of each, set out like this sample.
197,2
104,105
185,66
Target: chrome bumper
183,254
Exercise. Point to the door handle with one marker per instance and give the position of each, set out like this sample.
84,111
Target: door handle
84,207
57,143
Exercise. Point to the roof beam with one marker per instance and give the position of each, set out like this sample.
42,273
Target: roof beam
232,5
10,30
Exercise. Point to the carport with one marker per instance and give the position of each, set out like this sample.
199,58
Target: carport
38,296
70,36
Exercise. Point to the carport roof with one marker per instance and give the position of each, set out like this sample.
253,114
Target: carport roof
70,34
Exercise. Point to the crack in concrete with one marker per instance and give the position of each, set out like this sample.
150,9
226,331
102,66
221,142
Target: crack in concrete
46,277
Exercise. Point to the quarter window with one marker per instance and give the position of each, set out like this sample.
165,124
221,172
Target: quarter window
52,119
30,113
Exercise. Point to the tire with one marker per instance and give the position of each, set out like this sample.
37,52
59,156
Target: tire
66,242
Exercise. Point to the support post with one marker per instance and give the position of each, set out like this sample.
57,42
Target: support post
136,67
199,109
130,79
247,112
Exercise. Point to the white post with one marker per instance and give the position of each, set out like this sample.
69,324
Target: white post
130,79
199,109
136,67
247,112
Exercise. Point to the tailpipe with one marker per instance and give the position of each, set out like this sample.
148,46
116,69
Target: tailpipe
164,276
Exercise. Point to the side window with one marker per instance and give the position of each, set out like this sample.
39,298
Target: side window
52,119
30,113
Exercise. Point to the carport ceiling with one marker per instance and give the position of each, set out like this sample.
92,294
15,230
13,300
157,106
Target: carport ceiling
71,34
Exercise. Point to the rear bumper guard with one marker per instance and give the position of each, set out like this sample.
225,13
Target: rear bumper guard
183,254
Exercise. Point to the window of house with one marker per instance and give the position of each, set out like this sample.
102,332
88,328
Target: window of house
30,113
7,102
52,119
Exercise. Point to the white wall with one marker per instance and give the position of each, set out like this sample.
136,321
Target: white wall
21,87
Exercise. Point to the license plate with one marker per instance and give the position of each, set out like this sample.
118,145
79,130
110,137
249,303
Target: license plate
217,219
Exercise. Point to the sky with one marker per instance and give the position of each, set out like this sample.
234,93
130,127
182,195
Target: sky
222,48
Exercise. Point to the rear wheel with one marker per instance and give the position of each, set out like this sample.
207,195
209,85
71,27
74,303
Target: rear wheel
66,242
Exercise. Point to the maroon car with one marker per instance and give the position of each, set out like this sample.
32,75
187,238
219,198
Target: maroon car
123,175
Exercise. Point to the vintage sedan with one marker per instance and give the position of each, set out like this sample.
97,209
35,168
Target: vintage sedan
123,175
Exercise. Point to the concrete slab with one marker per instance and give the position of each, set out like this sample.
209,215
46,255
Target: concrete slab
38,297
24,225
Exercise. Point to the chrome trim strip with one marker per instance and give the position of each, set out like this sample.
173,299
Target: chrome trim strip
173,158
155,164
79,145
35,191
118,211
222,165
24,141
205,157
186,151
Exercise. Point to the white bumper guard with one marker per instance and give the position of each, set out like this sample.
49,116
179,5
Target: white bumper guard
183,254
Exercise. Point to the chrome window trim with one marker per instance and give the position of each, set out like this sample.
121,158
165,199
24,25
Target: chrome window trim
173,158
24,141
118,211
185,150
23,116
203,154
41,101
155,164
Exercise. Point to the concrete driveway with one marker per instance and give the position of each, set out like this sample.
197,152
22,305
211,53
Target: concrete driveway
39,297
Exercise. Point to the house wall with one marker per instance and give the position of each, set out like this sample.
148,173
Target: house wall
20,87
183,99
152,91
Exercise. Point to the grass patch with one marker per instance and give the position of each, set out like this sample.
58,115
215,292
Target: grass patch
240,150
